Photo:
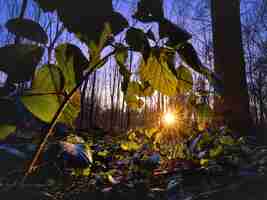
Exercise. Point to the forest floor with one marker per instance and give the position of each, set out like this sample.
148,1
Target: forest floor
132,168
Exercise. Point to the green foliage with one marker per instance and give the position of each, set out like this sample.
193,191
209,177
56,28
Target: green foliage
6,130
121,58
71,61
133,101
19,61
204,114
130,146
157,73
85,18
185,80
28,29
47,94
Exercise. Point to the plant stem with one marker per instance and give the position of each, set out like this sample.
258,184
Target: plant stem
57,115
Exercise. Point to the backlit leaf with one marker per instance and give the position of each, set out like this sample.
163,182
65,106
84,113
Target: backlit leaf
157,73
130,146
44,98
71,60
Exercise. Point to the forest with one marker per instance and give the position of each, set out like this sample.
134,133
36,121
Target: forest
133,99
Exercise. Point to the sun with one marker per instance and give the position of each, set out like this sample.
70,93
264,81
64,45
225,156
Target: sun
169,118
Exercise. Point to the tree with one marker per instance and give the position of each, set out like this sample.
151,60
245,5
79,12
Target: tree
230,65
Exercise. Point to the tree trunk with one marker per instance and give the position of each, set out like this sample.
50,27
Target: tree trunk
230,65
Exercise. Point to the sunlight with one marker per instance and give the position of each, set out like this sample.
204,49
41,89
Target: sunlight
169,118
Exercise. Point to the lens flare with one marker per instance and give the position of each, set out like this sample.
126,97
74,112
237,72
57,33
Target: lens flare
169,118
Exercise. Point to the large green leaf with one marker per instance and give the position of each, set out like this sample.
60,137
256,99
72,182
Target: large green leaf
185,79
72,62
44,98
28,29
47,95
157,73
19,61
6,130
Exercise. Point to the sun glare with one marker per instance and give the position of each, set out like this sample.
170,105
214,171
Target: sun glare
169,118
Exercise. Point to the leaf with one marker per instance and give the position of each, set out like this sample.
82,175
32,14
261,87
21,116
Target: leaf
137,40
48,82
121,55
47,94
227,140
157,73
72,62
133,102
215,152
19,61
150,132
6,130
149,10
134,88
204,115
204,110
121,58
95,48
204,162
174,33
190,57
146,90
130,146
28,29
185,80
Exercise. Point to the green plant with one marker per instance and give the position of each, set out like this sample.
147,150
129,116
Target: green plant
57,99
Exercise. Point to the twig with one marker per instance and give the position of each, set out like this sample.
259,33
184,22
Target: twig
56,117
